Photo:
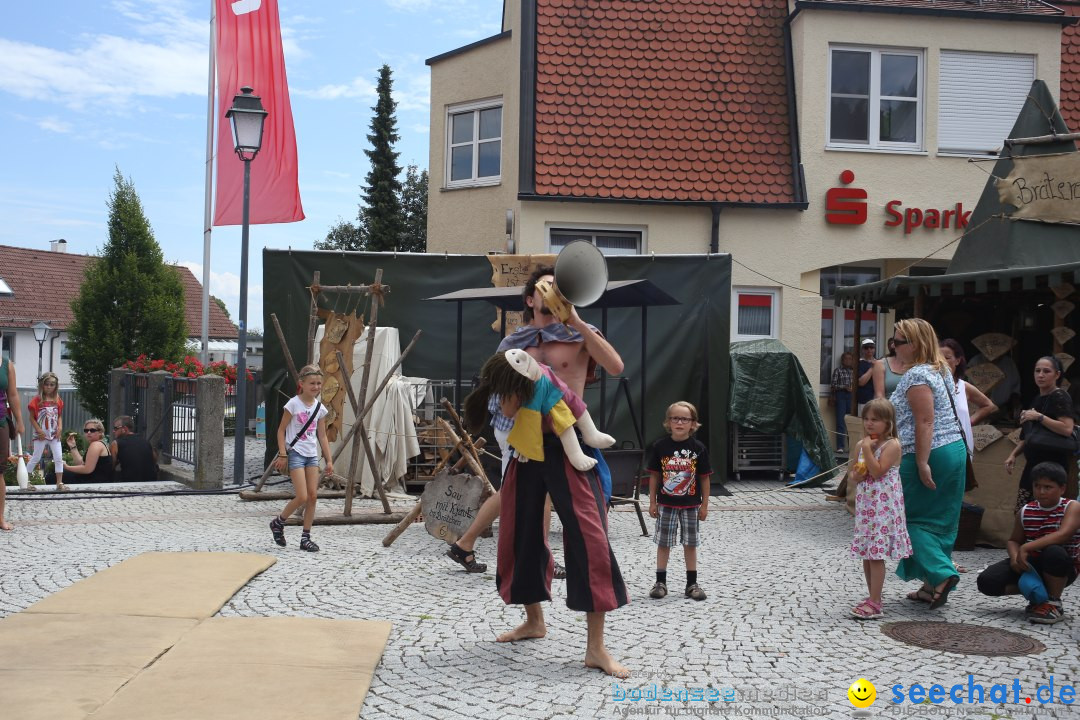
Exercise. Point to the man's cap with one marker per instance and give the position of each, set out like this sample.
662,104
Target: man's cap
868,341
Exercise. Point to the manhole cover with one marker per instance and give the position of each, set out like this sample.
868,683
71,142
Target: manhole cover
963,639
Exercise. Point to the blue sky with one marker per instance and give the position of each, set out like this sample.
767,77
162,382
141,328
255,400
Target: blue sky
86,87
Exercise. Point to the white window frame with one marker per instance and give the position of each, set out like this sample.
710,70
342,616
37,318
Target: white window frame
874,131
774,317
594,230
474,107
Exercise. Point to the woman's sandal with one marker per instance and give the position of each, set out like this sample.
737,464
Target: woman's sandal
867,610
466,559
941,596
924,594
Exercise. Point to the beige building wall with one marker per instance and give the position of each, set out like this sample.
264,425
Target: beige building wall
780,249
473,220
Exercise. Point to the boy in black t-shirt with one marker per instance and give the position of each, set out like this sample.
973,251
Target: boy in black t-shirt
679,473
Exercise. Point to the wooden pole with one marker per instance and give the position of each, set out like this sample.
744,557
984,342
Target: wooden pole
296,377
467,439
313,319
285,348
373,323
371,403
469,454
350,485
351,288
1042,139
410,518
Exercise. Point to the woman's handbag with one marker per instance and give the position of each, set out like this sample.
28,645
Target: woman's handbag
970,483
1042,439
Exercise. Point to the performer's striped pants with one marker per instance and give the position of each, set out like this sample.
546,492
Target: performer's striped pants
525,564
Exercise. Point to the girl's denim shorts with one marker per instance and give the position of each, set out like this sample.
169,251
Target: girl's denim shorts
296,460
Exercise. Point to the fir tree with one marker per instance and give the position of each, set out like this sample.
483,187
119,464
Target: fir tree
414,197
130,302
381,216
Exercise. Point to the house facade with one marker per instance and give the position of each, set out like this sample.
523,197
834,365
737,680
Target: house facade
819,142
39,285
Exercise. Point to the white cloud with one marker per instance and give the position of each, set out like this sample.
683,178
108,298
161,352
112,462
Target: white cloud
111,71
358,87
54,124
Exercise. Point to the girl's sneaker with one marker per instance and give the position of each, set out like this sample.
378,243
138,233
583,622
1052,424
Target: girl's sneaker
278,529
867,610
308,545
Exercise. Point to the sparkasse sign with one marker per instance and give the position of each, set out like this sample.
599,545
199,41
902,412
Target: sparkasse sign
847,206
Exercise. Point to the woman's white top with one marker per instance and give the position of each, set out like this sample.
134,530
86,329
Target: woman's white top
964,414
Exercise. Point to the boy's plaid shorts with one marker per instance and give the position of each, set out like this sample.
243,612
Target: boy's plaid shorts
687,521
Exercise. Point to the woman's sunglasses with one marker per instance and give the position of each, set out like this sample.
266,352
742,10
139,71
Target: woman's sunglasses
90,430
898,342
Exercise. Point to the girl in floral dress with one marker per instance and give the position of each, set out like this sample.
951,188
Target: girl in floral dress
880,530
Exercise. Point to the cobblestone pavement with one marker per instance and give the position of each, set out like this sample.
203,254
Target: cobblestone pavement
774,628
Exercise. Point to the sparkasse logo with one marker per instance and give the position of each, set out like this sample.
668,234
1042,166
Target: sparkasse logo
847,206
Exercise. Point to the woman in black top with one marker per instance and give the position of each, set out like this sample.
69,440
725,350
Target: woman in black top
97,467
1052,409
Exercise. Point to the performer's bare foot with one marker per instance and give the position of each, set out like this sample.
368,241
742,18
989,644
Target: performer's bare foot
6,525
528,630
602,660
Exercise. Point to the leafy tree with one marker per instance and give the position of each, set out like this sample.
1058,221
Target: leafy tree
342,236
381,215
130,303
221,304
414,209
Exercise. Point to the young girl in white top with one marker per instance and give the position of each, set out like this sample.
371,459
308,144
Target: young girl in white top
880,528
46,415
303,423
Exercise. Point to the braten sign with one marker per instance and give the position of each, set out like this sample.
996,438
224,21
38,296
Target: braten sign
1044,188
847,206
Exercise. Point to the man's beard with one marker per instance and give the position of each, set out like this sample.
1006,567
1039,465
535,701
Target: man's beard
544,310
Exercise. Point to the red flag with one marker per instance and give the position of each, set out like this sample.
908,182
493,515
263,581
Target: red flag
249,53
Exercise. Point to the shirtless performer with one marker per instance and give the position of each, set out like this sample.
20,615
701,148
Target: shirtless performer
571,351
573,361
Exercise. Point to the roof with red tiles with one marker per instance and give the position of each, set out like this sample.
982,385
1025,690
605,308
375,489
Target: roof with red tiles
677,100
997,7
45,282
1069,94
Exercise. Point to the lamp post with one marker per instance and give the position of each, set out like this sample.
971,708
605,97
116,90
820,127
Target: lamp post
41,334
247,117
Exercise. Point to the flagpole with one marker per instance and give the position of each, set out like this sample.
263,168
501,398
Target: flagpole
207,202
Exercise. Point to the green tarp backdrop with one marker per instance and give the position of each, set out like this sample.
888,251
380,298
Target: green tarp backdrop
686,352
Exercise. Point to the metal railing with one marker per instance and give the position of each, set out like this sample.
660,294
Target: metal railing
179,429
254,398
428,433
135,387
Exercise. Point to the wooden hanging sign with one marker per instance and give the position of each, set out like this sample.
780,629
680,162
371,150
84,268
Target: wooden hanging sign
450,503
1045,188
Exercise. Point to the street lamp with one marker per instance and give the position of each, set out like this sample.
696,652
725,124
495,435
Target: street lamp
247,117
41,334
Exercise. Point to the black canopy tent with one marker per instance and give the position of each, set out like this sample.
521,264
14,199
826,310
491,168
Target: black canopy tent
641,293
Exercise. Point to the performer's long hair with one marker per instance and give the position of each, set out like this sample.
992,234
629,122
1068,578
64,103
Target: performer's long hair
497,377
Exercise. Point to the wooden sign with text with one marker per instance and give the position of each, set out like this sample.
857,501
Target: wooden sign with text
1044,188
450,503
514,271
